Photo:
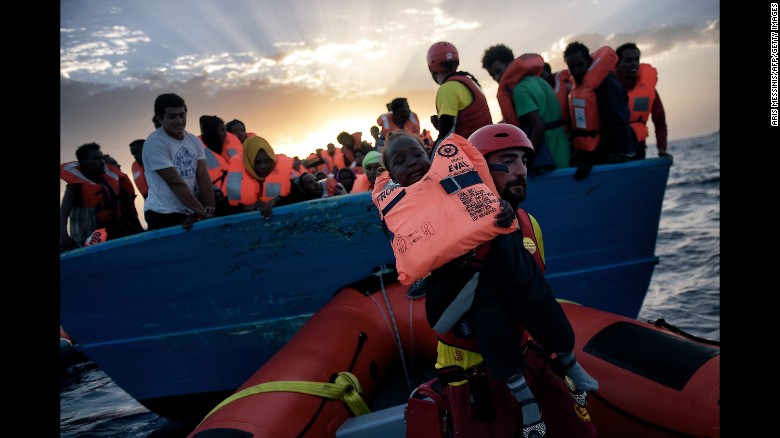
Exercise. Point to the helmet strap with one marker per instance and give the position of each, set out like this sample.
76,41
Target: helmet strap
498,167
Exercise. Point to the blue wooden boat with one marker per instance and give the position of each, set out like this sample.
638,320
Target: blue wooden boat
180,319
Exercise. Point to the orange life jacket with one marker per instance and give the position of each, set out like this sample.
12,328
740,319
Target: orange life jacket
361,184
532,241
232,146
217,167
562,88
139,176
475,115
449,212
349,154
300,170
243,189
387,123
338,159
583,104
93,195
641,98
524,65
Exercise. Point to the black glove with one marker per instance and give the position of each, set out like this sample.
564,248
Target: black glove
668,155
583,170
506,216
435,121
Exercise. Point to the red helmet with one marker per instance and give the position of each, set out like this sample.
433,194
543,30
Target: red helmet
499,136
441,52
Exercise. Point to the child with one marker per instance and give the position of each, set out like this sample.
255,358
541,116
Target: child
508,289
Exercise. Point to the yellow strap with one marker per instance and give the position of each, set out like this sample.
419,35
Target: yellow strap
346,388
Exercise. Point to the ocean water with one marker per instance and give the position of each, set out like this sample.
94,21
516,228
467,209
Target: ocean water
684,291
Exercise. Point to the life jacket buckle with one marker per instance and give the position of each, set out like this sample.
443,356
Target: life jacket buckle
457,187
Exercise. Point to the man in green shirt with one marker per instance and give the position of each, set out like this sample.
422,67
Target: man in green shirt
534,106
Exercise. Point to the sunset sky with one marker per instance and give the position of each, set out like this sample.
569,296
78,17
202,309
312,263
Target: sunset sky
298,72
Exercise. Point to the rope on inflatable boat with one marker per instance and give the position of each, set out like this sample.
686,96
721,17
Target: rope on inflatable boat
346,388
672,328
383,269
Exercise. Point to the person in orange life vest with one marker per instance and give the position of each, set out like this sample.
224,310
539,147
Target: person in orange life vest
639,80
259,178
598,106
528,101
461,105
372,164
237,128
180,189
136,150
505,287
346,177
327,161
349,144
216,143
561,82
216,128
400,116
507,150
337,157
97,195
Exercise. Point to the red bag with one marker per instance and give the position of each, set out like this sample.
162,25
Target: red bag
449,412
506,417
426,414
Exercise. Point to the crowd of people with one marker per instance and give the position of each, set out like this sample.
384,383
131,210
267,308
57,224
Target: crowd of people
594,112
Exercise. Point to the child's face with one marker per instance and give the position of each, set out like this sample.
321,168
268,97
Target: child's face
310,185
407,161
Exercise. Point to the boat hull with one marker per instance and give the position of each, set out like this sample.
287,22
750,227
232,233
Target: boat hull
232,291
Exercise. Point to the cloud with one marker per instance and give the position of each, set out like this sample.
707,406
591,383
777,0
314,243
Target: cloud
654,41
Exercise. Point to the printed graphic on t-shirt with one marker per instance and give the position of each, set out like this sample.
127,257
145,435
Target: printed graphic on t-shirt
186,160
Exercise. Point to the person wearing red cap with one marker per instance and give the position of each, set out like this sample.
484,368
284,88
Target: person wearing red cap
461,105
475,302
507,150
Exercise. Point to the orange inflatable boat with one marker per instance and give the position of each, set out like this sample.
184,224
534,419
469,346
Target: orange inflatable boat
654,382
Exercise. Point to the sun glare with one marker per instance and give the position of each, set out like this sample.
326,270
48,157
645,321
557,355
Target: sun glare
325,134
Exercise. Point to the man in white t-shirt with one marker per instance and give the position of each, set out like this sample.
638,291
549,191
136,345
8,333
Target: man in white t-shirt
180,189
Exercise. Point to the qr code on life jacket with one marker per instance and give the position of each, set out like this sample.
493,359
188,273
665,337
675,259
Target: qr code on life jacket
477,202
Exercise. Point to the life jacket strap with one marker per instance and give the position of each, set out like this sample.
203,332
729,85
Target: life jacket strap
454,184
392,203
